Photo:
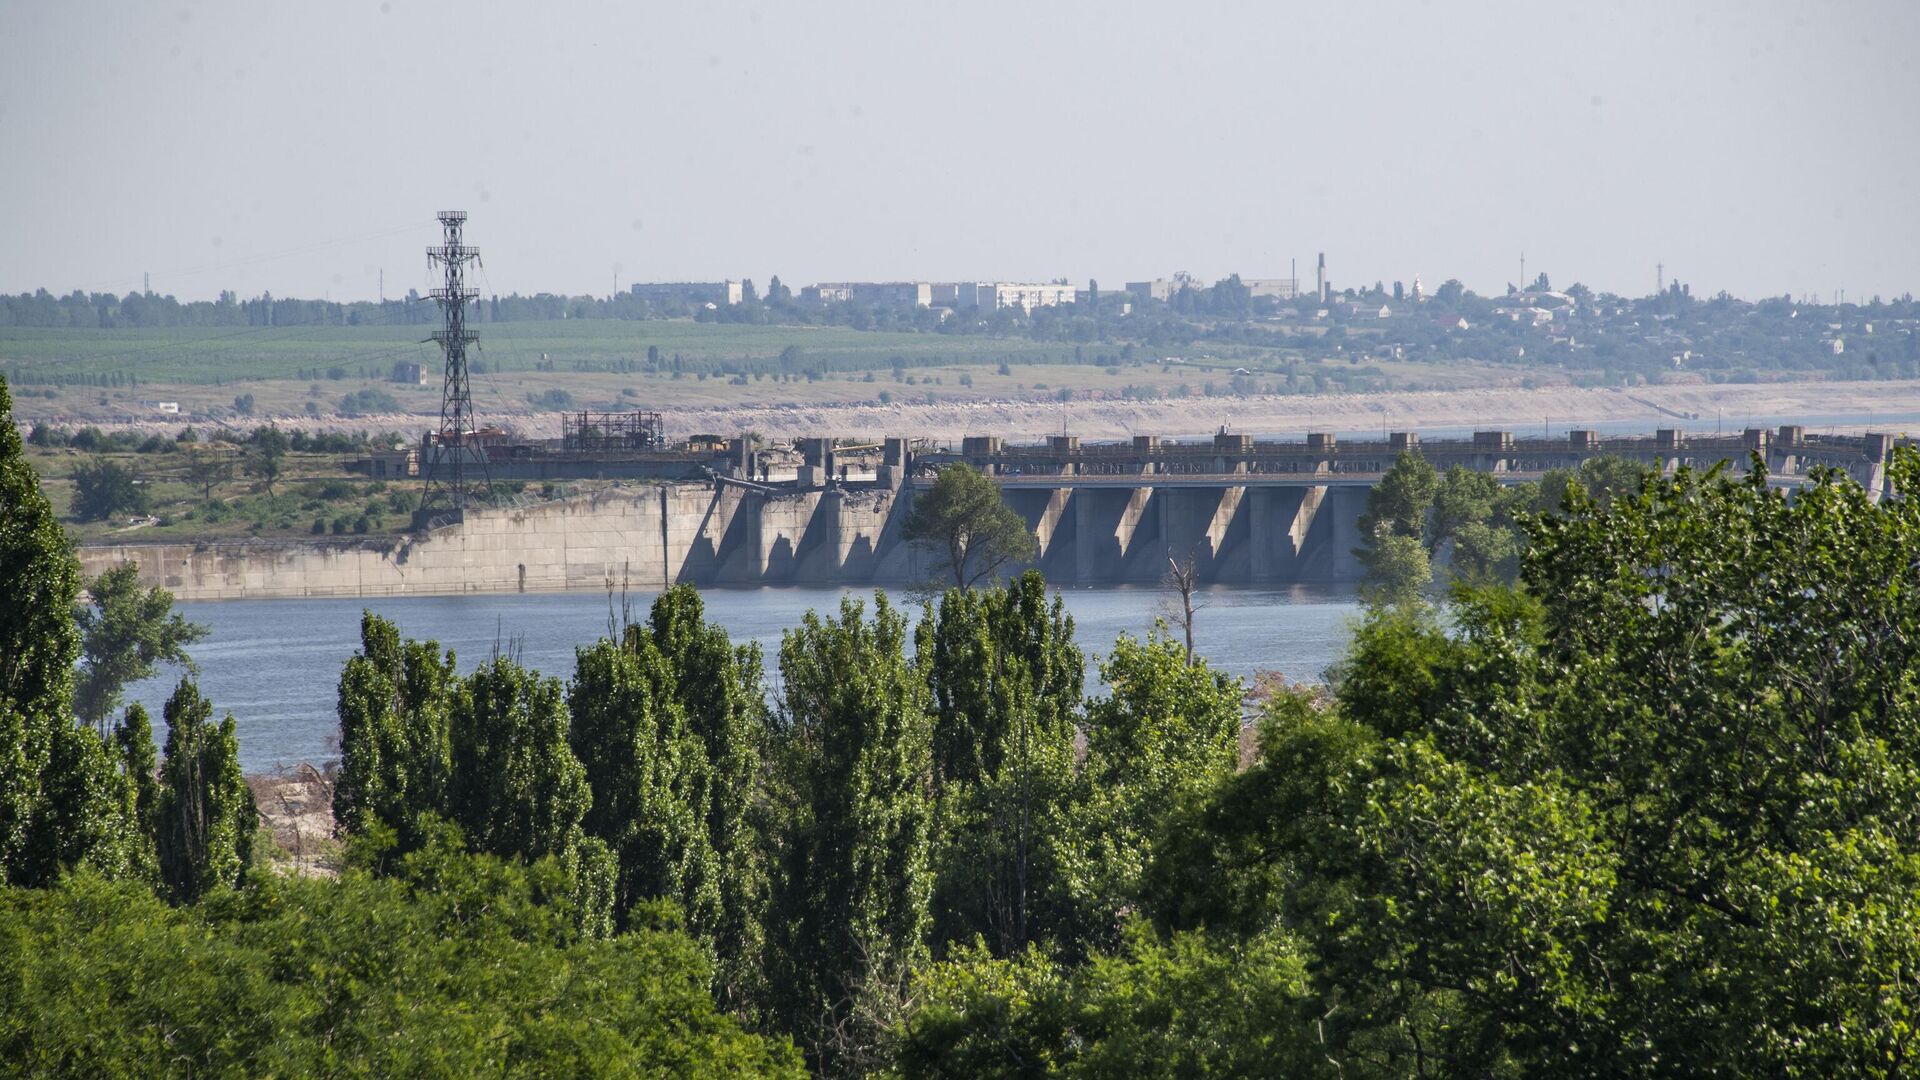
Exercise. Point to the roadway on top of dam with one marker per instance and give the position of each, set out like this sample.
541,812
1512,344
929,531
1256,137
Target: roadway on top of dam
1247,480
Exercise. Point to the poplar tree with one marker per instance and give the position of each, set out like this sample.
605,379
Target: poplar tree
205,816
133,739
852,890
38,641
394,757
62,802
515,786
1005,677
489,753
719,688
649,779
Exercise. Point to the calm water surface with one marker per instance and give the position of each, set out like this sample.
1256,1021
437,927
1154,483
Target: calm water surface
275,664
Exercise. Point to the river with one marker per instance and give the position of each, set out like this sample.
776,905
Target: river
275,664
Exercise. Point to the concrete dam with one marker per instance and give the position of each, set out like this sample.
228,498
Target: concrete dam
1248,513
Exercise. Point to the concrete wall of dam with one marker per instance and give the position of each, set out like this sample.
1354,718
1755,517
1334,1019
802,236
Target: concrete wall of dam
725,534
1246,512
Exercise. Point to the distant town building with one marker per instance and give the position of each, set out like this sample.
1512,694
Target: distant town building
879,293
724,293
1277,288
1158,289
994,295
174,406
1527,313
410,373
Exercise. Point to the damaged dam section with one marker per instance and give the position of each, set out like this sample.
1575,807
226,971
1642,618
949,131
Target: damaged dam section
1247,513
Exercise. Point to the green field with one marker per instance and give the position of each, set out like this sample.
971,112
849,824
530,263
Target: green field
521,368
234,354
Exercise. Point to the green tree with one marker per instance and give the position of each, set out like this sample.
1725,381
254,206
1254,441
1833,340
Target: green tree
852,886
103,488
1601,479
125,633
1181,1006
207,468
62,801
489,754
395,757
719,686
1397,570
1167,732
269,457
38,641
133,739
449,964
515,787
1395,558
649,778
1006,679
1650,814
1462,498
1486,552
969,530
1399,504
204,816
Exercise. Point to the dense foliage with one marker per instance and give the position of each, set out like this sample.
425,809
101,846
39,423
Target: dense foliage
1640,798
1463,521
450,965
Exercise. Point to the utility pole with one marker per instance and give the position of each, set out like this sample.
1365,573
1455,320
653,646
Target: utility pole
1659,278
456,464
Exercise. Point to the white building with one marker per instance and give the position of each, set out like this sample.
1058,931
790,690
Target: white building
1278,288
881,293
993,295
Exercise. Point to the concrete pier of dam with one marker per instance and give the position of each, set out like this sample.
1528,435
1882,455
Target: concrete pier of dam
1248,512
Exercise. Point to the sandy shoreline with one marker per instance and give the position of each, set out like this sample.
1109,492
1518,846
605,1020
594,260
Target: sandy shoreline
1843,405
1731,406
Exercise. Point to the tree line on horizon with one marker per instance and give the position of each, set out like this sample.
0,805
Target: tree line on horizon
1647,810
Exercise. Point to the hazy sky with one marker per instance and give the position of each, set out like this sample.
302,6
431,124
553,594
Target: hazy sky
1759,147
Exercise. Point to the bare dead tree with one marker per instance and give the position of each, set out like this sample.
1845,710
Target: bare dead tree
1182,581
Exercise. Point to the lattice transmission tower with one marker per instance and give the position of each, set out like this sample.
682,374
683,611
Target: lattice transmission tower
455,463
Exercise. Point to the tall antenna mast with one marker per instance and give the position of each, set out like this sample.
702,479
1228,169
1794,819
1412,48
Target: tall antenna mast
456,465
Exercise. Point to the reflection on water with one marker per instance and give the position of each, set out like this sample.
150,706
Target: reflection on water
275,664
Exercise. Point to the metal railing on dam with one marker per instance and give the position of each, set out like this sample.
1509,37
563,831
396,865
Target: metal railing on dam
1322,458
